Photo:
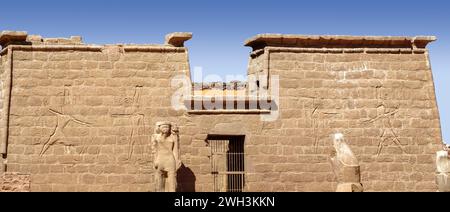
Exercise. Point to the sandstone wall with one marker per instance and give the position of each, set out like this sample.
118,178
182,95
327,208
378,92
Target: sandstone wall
3,106
2,71
82,116
257,71
384,103
95,108
14,182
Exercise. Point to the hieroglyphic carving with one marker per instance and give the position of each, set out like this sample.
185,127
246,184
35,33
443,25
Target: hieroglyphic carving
137,118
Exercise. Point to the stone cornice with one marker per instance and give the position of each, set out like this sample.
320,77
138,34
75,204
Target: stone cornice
12,37
337,41
22,41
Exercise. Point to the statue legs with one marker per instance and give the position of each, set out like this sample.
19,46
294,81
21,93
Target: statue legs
159,181
172,181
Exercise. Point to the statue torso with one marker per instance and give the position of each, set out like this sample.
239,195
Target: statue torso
164,145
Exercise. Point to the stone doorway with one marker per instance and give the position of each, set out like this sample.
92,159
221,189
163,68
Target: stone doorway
227,162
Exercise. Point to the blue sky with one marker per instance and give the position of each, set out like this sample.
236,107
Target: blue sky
220,28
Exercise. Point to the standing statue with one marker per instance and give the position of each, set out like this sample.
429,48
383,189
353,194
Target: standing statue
165,148
443,170
345,166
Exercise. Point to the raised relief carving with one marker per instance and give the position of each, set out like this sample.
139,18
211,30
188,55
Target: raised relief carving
166,151
345,166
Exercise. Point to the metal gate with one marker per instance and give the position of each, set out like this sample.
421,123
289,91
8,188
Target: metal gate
227,163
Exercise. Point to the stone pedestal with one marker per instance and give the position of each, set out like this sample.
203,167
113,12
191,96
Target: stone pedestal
349,187
349,179
443,170
443,182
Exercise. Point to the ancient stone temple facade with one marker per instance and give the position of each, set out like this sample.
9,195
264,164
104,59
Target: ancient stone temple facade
80,117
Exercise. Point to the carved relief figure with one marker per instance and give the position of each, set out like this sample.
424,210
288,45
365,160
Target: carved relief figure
443,170
58,133
165,148
386,115
61,123
345,166
136,116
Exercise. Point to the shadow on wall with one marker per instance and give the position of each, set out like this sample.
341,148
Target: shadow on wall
185,179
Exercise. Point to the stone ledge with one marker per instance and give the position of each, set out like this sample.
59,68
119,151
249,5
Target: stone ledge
73,40
233,85
337,41
340,50
53,48
152,48
71,47
22,38
230,105
12,37
172,43
177,39
228,111
245,98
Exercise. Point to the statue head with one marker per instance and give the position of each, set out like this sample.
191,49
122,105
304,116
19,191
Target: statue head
163,128
442,161
343,153
338,138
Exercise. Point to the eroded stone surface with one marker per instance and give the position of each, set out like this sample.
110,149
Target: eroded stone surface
14,182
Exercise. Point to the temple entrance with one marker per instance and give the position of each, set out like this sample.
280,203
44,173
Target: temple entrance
227,162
